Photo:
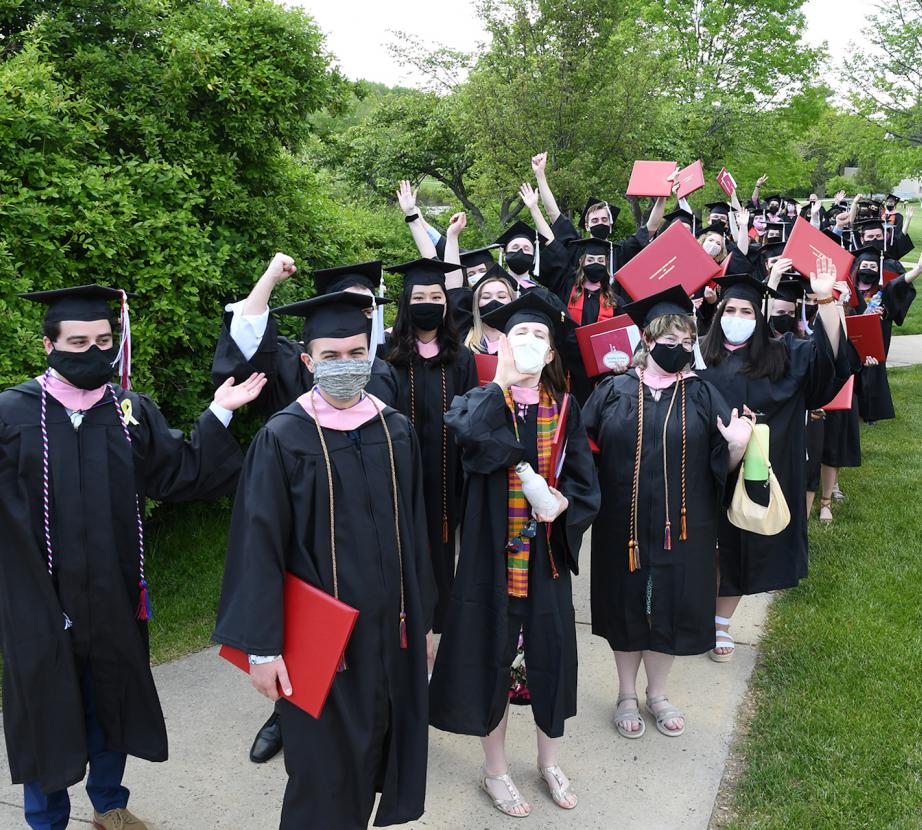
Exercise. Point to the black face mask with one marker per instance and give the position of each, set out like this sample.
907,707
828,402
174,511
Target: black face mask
519,262
773,207
671,359
783,323
600,231
427,316
812,308
489,308
876,244
596,272
891,205
867,277
85,370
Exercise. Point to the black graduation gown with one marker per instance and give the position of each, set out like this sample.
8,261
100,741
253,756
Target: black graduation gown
841,442
95,475
470,683
424,402
461,305
373,729
287,376
875,403
679,586
749,562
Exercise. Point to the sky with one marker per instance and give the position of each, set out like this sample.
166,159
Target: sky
359,31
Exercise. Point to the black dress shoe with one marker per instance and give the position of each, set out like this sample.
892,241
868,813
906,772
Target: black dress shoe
268,741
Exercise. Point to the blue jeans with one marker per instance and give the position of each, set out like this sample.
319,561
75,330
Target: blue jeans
103,784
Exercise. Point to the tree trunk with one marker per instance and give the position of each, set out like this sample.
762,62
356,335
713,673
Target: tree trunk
457,187
634,202
506,214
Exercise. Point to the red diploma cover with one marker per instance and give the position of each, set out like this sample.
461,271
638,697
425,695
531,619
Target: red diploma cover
673,258
806,245
726,182
889,276
866,334
317,629
605,344
648,178
690,179
844,399
486,367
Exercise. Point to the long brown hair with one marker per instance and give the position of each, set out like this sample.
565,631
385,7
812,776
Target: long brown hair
607,293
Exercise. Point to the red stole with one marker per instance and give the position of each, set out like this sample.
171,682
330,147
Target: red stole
575,306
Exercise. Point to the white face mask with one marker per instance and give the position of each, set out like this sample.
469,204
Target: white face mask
737,330
529,353
711,248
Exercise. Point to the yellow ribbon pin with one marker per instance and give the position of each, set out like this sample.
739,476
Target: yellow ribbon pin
126,412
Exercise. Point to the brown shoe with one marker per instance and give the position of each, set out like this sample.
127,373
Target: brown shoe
120,819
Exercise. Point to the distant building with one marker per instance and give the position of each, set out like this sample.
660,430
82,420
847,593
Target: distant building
909,189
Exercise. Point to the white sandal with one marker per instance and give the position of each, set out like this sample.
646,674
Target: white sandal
633,716
508,805
723,640
558,791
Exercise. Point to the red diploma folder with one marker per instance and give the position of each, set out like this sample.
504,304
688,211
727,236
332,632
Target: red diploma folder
806,244
486,367
844,399
866,334
673,258
317,629
726,182
605,344
889,276
648,178
690,179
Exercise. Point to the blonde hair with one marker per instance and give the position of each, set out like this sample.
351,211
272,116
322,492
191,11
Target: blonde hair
474,339
724,253
658,327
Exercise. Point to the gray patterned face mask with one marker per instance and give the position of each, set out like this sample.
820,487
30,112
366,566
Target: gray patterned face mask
342,380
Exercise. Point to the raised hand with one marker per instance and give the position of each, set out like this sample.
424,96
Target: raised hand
529,196
280,268
761,180
742,218
841,220
908,216
539,164
815,208
845,291
406,198
781,265
710,295
233,397
823,280
738,431
838,197
456,224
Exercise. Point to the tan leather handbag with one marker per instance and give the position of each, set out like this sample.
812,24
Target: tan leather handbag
745,514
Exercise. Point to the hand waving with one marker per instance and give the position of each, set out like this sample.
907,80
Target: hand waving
233,397
406,198
823,280
529,196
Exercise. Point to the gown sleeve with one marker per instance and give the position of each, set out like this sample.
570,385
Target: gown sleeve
634,244
897,297
204,466
250,612
720,451
556,265
564,229
479,421
813,365
579,483
594,408
423,560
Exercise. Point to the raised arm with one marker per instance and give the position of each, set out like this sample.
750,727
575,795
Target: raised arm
755,191
741,217
280,269
458,222
406,198
530,197
539,165
822,284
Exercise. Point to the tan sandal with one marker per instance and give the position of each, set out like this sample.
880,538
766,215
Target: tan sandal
509,805
669,713
559,792
629,716
826,504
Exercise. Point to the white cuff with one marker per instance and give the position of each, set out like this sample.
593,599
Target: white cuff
257,660
222,414
247,330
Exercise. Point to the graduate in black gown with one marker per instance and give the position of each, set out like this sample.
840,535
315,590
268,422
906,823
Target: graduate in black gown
331,492
778,380
79,456
250,342
654,573
514,569
431,368
494,290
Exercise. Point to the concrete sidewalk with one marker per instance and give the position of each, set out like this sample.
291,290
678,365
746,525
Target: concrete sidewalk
905,350
655,783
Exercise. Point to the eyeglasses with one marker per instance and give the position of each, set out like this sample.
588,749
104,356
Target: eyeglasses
519,542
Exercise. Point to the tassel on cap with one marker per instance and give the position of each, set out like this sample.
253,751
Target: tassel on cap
123,359
403,629
145,611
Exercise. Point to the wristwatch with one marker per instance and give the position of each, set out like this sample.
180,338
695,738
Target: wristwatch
258,660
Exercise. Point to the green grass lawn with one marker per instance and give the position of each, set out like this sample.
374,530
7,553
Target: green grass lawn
836,739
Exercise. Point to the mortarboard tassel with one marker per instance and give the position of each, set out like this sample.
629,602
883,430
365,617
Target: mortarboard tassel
445,530
667,537
145,612
123,358
403,629
684,534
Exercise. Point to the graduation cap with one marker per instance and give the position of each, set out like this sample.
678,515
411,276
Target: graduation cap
873,204
790,200
422,271
715,227
87,303
497,272
532,307
838,238
594,203
337,315
771,249
775,197
869,254
519,230
792,290
893,196
478,256
744,287
776,230
681,215
591,246
673,300
333,280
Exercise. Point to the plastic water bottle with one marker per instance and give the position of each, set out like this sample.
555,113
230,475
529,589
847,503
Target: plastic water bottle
536,490
875,303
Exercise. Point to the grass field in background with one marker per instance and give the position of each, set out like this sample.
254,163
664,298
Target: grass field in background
836,739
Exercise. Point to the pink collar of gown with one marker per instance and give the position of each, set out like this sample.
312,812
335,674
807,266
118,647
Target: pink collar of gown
427,350
340,419
525,395
654,380
732,347
70,396
492,346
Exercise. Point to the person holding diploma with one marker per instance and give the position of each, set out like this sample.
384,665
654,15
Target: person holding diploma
518,548
332,492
